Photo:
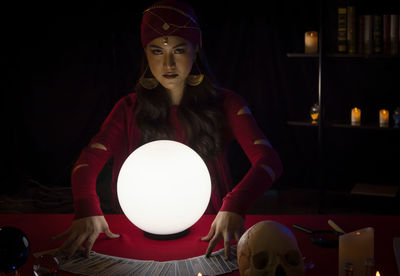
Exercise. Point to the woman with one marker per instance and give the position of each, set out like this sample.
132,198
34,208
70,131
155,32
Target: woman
175,99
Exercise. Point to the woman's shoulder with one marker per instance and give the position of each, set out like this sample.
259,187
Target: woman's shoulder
127,101
231,100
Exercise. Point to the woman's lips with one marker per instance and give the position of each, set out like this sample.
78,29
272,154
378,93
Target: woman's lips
170,76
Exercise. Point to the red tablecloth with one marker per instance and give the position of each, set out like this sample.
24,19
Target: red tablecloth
132,244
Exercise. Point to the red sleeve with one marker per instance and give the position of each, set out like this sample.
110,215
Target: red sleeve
266,165
93,158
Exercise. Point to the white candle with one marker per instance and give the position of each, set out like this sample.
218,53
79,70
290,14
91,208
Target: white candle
355,116
356,247
311,42
383,118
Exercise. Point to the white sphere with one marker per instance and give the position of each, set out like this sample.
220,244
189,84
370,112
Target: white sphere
164,187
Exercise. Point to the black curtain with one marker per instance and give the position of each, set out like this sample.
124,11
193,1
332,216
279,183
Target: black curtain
65,66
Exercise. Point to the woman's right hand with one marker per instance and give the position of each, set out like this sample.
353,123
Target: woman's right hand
83,231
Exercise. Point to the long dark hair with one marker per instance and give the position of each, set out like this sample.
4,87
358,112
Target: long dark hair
199,112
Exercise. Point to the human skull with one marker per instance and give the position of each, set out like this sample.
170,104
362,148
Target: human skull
269,248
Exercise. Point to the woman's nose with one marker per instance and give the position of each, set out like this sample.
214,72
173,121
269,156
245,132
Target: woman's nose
169,61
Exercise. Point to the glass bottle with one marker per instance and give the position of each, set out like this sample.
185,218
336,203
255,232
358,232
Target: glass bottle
396,117
349,269
369,267
314,113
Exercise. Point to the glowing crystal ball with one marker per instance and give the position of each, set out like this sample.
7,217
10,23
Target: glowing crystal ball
164,187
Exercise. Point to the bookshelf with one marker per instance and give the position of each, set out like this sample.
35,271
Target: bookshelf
363,135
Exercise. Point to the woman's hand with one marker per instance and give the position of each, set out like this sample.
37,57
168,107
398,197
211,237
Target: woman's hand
225,225
83,230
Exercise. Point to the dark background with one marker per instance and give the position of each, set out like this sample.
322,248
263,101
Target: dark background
66,64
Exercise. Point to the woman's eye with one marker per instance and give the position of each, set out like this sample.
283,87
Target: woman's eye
179,51
156,52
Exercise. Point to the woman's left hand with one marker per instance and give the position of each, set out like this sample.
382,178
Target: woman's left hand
225,225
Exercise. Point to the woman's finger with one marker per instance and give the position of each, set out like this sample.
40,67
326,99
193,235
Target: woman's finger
62,235
75,245
212,244
210,234
65,248
227,244
237,235
89,243
110,234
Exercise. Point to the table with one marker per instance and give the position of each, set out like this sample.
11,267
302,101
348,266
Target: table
132,244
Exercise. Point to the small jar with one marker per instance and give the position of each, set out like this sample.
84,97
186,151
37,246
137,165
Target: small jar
369,267
349,269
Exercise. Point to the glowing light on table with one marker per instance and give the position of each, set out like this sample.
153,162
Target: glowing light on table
164,187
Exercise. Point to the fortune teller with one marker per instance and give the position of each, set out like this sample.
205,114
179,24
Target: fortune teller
175,98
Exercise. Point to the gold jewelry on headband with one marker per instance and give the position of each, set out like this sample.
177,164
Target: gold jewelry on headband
166,26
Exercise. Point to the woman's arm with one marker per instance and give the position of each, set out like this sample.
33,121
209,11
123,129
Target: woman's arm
93,158
266,166
89,221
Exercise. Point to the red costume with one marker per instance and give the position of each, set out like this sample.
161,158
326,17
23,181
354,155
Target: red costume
119,136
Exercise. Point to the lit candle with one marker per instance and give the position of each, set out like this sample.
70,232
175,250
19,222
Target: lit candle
377,273
314,113
383,118
311,42
355,116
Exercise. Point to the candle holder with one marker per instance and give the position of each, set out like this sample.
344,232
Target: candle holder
396,117
314,113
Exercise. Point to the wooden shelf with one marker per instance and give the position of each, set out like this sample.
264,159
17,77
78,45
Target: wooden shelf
344,56
366,127
302,123
343,125
301,55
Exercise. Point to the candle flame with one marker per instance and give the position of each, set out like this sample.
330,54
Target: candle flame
199,274
377,273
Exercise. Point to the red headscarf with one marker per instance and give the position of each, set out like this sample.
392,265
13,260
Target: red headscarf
170,18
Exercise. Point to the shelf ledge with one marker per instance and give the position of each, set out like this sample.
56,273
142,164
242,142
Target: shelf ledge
341,125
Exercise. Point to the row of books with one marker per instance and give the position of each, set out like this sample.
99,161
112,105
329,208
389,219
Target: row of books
367,33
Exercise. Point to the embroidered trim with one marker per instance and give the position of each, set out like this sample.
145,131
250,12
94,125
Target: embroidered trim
270,171
173,9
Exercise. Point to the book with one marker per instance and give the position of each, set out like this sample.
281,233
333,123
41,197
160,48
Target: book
386,34
368,37
360,34
377,34
394,34
351,29
342,30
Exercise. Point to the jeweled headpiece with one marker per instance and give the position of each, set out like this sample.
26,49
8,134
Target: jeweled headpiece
167,18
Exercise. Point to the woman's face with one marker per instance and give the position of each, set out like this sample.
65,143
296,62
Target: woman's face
170,63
